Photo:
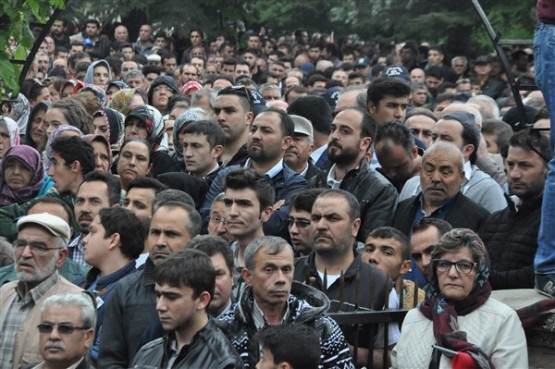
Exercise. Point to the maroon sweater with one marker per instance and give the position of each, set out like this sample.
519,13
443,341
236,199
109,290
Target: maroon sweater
545,10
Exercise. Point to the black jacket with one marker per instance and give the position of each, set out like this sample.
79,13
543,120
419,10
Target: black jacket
210,349
376,196
511,238
131,309
460,213
82,365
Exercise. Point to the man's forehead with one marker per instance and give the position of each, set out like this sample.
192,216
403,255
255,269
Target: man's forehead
93,189
378,241
141,193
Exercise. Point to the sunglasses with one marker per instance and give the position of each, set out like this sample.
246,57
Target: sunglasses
63,328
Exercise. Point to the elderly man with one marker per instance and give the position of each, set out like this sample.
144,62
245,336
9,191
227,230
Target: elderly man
40,250
66,331
297,155
272,298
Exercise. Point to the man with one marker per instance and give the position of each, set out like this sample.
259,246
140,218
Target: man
184,286
116,238
121,34
421,121
397,153
417,75
228,68
270,92
217,222
490,86
460,129
351,98
189,73
66,331
299,224
387,99
441,178
160,92
242,68
203,143
336,221
132,306
276,352
234,112
169,62
272,298
72,158
425,235
388,249
40,250
419,95
297,155
140,195
59,33
352,134
511,235
144,44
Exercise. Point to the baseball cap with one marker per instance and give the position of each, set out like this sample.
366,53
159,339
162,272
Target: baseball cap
397,72
483,59
53,224
362,62
88,42
302,125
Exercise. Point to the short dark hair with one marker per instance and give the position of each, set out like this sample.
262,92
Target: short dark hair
138,139
112,183
532,142
304,200
54,200
73,149
213,245
470,134
441,225
435,71
286,124
317,77
243,93
187,267
131,230
394,233
383,87
398,133
251,179
213,132
284,341
501,130
171,195
352,202
315,109
147,182
194,222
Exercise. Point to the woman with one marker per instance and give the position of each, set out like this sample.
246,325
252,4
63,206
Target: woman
68,112
109,123
459,315
9,135
102,152
22,176
99,73
36,130
134,160
36,91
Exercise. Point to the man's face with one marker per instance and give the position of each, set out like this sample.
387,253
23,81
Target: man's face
348,58
451,131
199,157
242,70
76,49
91,30
406,55
300,230
385,253
314,54
421,245
297,154
250,58
526,172
254,42
271,94
60,63
459,67
96,243
334,230
177,306
432,82
482,70
129,65
292,82
418,97
358,81
42,61
397,164
440,176
421,127
128,53
217,225
277,69
145,33
435,57
91,198
135,82
228,70
199,64
345,143
160,96
139,201
266,142
63,350
224,285
170,64
195,38
341,76
121,34
33,267
62,174
244,218
231,116
189,73
57,28
271,278
389,108
168,233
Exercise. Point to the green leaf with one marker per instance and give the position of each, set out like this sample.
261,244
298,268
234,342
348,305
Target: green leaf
8,78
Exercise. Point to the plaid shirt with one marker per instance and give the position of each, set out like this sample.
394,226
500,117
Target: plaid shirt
16,314
76,252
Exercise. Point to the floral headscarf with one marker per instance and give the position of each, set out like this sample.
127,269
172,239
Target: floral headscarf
13,130
29,157
122,99
115,125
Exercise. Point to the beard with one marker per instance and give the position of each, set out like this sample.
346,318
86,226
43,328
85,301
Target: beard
40,274
331,251
342,156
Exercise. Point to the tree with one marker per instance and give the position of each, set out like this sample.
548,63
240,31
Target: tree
16,38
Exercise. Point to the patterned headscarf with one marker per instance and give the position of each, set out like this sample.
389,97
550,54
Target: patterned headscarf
13,130
155,127
115,125
98,93
21,111
121,100
29,157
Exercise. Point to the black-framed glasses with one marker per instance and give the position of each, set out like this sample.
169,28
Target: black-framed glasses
37,247
462,266
63,328
300,223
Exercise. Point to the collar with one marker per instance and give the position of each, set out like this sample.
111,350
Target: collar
331,181
318,152
259,319
40,290
104,281
467,170
440,211
272,172
303,173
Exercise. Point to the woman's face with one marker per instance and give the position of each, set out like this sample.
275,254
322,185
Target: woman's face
67,91
100,76
43,96
5,143
101,157
38,129
54,94
17,175
53,119
134,162
453,284
135,127
101,127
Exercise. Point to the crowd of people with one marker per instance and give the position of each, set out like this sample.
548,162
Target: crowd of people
208,204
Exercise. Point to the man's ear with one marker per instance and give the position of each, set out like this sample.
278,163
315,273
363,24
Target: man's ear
204,299
266,213
286,142
62,255
371,107
365,143
247,276
405,266
218,149
250,118
75,166
468,150
414,152
115,241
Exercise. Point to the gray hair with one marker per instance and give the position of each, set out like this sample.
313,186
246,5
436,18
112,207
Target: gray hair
134,73
445,146
491,109
82,300
60,242
458,238
219,198
273,244
204,92
269,86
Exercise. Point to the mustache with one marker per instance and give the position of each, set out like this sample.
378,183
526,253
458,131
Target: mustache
335,143
436,186
85,217
56,346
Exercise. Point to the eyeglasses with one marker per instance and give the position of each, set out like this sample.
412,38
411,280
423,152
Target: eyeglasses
66,329
215,219
462,266
162,88
38,248
300,223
